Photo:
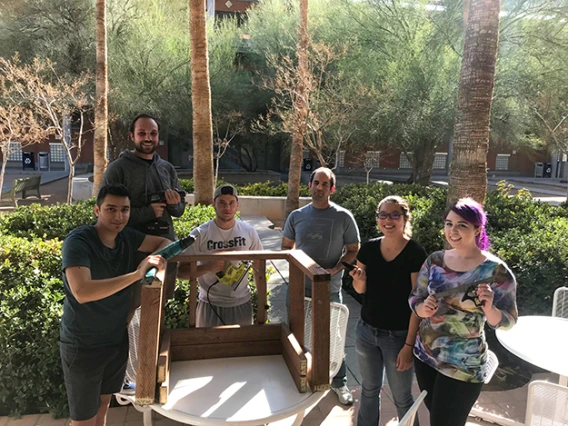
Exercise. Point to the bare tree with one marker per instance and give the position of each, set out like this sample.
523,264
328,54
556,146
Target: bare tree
235,125
56,101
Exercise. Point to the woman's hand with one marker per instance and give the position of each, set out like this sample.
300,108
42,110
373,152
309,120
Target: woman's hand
485,295
404,358
358,274
427,308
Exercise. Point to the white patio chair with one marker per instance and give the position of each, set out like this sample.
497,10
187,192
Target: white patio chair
491,366
338,318
408,419
547,404
560,303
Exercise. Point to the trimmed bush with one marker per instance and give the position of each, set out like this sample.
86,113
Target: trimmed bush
266,189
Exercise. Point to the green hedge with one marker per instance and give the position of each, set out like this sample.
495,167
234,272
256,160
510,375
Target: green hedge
266,189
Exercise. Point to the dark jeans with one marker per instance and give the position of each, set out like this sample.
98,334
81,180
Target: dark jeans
449,400
377,351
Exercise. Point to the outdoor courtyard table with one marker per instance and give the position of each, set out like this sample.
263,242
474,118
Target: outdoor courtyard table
542,341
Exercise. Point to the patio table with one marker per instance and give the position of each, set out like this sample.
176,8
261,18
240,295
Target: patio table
540,340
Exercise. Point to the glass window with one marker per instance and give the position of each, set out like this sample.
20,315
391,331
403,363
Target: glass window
440,161
15,151
502,162
404,162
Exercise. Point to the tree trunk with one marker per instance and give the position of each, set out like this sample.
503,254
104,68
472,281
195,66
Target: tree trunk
468,171
201,105
70,183
300,109
5,153
101,96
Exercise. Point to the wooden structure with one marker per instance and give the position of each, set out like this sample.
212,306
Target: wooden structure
158,347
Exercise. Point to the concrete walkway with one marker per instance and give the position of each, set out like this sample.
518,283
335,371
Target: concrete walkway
328,412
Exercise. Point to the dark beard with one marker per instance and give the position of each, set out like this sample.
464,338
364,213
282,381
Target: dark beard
138,148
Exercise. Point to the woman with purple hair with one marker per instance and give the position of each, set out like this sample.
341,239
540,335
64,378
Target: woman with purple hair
456,293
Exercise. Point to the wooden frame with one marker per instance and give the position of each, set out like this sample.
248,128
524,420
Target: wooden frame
159,347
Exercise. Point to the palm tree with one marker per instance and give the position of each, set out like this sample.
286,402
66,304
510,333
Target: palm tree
201,105
468,171
300,109
101,97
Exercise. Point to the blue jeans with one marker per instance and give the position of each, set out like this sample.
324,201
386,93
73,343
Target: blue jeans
377,350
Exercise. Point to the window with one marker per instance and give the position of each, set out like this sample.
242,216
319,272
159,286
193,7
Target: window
57,152
15,151
306,153
372,159
404,162
440,161
341,159
502,162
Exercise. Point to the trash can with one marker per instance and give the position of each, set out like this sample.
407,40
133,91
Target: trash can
28,160
538,170
307,164
547,170
43,161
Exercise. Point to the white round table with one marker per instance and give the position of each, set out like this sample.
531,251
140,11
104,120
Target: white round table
542,341
247,391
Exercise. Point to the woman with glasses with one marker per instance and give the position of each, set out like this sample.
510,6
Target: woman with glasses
386,271
457,292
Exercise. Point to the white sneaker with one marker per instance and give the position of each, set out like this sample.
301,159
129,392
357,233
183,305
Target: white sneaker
344,395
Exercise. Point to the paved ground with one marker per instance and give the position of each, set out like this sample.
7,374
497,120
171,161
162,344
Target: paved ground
510,404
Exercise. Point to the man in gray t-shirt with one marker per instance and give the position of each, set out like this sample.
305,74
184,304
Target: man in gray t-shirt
329,235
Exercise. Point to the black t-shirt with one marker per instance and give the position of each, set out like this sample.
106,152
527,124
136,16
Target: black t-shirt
388,284
101,323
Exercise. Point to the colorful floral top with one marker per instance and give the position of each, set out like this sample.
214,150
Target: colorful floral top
452,341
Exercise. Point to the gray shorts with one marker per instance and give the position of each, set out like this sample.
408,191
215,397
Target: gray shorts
206,317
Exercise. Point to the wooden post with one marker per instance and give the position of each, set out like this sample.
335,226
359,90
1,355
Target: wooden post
319,376
296,293
148,344
260,282
192,293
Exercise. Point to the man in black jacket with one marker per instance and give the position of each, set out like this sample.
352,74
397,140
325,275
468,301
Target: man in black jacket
152,183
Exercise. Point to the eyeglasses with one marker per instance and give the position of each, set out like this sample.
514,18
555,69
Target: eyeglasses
393,215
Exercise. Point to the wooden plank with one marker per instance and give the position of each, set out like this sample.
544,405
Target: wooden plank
234,255
225,334
295,359
225,350
164,391
296,292
192,294
308,266
260,282
293,350
319,374
149,340
164,357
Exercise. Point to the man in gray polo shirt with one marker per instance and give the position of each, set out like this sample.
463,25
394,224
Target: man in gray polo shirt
329,235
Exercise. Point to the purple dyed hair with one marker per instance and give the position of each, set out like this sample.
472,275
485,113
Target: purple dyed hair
472,212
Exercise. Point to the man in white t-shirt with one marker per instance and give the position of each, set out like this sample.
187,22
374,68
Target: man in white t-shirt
224,294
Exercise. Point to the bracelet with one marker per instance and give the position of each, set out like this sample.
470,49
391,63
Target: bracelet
408,344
